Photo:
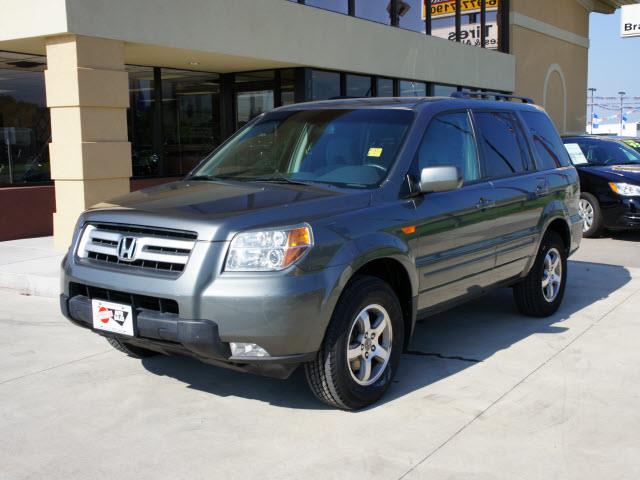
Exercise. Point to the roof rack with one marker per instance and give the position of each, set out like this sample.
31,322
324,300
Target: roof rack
496,95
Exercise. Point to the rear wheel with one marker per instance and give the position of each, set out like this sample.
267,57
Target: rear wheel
542,290
591,215
132,351
362,346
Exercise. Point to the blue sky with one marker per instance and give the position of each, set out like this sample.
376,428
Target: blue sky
614,62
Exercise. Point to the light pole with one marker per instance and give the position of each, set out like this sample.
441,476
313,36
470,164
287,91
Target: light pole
593,91
622,94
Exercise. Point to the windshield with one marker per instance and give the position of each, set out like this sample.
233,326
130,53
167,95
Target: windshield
349,148
632,143
601,152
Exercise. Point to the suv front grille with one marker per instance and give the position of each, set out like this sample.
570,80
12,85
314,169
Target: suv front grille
155,304
154,249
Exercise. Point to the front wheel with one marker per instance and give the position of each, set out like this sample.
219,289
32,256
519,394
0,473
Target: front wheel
541,292
362,346
591,216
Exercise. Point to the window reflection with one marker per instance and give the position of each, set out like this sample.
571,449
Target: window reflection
358,86
443,90
25,129
413,89
251,104
341,6
374,10
287,86
411,15
324,85
145,162
384,87
190,116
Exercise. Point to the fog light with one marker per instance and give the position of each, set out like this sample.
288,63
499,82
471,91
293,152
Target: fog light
247,350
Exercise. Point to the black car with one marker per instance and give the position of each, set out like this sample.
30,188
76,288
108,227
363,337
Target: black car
609,169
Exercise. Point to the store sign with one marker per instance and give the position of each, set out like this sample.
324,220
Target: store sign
470,34
447,8
630,23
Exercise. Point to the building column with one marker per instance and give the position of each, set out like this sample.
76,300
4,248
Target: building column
88,95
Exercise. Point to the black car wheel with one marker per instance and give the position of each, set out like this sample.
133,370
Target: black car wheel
362,347
591,215
541,292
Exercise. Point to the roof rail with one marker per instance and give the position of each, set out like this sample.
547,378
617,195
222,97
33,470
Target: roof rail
496,95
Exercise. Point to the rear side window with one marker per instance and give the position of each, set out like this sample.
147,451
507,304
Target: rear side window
449,141
503,144
547,143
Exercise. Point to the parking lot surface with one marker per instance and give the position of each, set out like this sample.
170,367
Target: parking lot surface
483,393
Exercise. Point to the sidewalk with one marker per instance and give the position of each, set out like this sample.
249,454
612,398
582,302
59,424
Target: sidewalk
30,267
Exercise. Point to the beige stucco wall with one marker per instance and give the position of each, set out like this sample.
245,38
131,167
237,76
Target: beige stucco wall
553,70
569,15
87,94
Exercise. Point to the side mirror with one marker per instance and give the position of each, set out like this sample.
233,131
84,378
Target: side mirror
439,179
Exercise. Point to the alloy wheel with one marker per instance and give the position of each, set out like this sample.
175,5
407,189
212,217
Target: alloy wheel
369,347
587,213
552,275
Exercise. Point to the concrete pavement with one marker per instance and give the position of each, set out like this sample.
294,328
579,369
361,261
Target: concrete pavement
485,393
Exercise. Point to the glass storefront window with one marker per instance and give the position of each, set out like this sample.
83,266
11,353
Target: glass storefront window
258,76
444,27
251,104
190,117
374,10
324,85
341,6
358,86
384,87
25,129
411,15
413,89
287,86
443,90
145,161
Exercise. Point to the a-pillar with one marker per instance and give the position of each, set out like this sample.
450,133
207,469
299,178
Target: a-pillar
88,95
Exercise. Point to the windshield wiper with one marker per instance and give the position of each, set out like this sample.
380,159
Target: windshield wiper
206,177
287,180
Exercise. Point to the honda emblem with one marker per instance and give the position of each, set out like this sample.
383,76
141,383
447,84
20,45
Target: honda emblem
127,249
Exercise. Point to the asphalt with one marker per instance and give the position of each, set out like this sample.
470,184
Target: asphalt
484,393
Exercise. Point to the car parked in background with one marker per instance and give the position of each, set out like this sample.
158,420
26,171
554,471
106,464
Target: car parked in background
632,142
609,169
318,233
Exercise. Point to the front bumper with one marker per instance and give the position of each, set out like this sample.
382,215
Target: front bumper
623,214
167,333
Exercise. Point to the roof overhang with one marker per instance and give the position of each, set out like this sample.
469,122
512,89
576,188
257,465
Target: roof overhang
605,6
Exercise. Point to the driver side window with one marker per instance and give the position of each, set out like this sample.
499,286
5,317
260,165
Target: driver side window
449,141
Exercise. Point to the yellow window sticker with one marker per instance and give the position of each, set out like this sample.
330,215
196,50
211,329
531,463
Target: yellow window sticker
375,152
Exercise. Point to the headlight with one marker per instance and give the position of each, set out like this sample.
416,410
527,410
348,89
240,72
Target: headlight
268,250
625,189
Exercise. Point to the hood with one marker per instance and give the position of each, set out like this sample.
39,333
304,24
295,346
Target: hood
616,173
216,210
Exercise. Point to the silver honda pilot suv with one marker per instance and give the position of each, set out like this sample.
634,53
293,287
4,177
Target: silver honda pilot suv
317,234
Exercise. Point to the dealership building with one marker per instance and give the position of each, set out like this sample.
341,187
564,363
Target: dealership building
99,97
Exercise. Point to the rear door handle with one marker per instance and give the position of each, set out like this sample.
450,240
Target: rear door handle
542,189
485,203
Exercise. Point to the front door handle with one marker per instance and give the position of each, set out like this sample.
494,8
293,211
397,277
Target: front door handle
485,203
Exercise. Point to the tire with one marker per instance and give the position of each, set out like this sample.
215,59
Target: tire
531,296
344,384
589,205
135,352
